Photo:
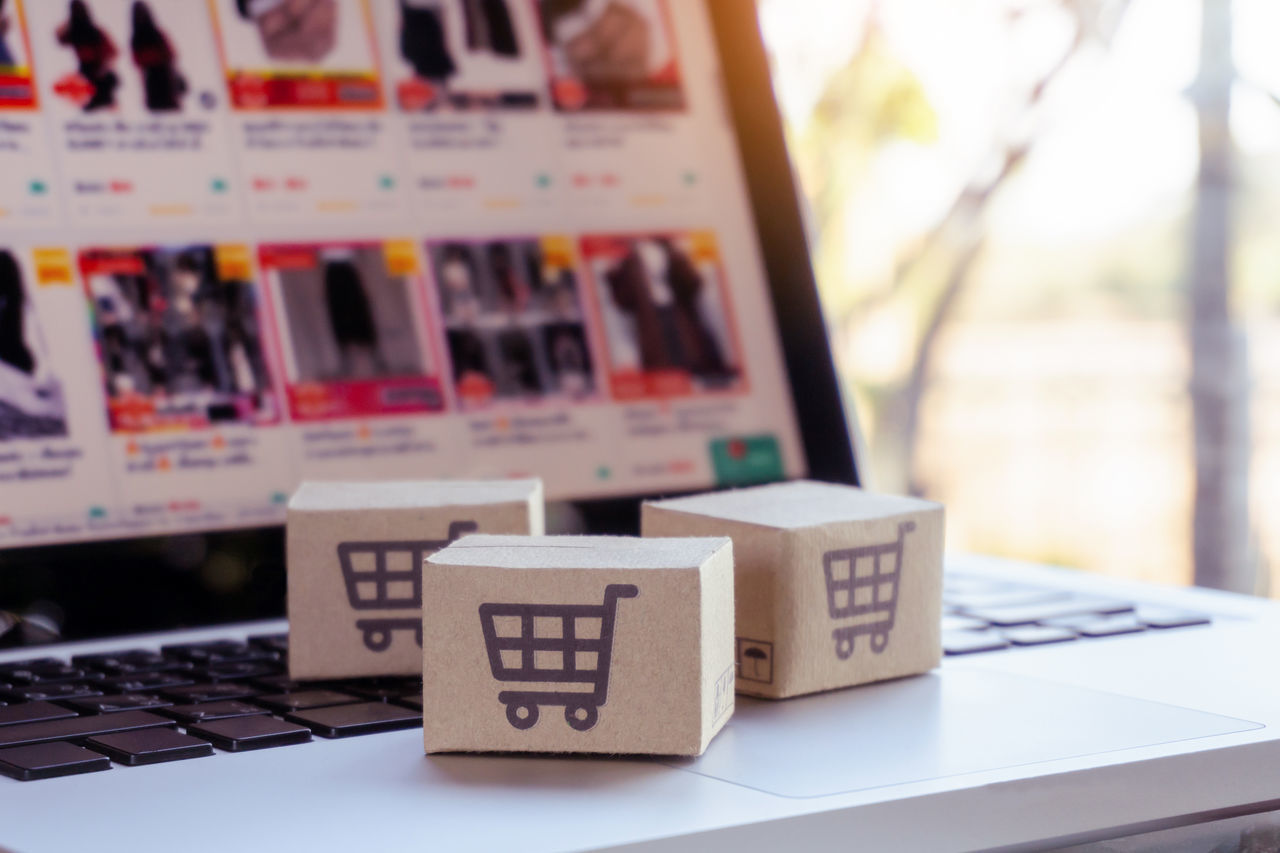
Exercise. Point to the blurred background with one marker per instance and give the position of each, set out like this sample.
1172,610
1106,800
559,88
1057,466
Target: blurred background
1043,234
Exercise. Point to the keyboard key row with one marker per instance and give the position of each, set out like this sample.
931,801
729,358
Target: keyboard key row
127,706
56,747
974,639
74,728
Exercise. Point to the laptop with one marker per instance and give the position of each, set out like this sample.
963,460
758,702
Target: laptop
349,239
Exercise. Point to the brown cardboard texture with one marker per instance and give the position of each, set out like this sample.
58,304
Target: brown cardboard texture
594,644
836,586
355,553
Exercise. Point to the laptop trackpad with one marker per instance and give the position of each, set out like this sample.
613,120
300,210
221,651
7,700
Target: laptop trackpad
941,724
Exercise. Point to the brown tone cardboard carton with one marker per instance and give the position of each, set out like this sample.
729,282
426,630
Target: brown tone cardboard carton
593,644
355,553
836,586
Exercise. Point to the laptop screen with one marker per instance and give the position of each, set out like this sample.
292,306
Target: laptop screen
245,243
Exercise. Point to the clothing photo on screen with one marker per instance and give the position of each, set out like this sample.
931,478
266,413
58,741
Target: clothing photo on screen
349,318
568,357
31,400
464,54
670,320
293,31
611,54
300,54
514,322
8,30
163,84
18,90
179,344
95,54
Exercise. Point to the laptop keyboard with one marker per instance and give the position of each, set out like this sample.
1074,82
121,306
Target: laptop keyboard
144,706
985,615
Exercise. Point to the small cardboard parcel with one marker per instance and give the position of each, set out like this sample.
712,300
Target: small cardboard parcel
590,644
836,586
355,553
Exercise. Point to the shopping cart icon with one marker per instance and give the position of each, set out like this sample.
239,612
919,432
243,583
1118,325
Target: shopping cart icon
388,576
862,586
560,644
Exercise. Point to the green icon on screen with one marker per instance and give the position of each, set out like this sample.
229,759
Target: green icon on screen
744,460
543,180
387,182
604,472
690,178
218,185
97,512
279,498
38,187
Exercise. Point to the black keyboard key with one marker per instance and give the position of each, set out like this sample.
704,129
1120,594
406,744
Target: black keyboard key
239,734
1159,617
282,683
79,727
118,702
188,714
972,642
1012,615
146,682
278,643
239,671
49,760
195,693
150,746
219,651
54,692
50,673
384,689
15,665
363,719
1038,635
414,702
32,712
131,662
304,700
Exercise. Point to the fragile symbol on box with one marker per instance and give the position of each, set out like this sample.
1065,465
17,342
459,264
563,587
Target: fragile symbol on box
381,587
577,652
862,586
755,660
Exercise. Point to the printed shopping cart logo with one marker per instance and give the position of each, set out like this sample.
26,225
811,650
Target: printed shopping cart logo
862,590
562,645
388,576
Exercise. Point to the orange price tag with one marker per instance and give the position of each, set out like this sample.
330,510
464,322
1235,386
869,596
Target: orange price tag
401,257
702,246
233,262
557,253
53,267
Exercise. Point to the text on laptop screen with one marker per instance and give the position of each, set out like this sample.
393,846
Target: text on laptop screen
245,243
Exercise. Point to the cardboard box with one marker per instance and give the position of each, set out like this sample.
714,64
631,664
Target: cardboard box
355,553
577,644
836,586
